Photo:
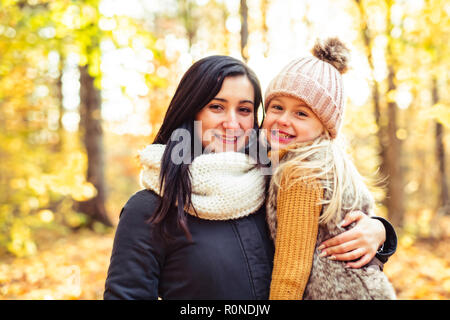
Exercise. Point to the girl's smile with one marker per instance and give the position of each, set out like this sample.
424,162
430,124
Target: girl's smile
281,137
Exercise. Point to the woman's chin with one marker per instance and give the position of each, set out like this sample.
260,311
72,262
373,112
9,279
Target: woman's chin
225,147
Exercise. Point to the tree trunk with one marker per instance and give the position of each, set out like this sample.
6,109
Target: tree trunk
244,29
395,195
59,95
265,28
443,201
381,126
395,192
226,33
90,125
186,8
390,145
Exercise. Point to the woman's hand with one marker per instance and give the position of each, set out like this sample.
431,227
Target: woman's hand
361,242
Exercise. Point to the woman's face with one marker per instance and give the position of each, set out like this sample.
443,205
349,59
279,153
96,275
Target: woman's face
289,120
226,118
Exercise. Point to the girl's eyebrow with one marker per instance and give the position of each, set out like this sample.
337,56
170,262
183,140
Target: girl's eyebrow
302,106
225,100
299,105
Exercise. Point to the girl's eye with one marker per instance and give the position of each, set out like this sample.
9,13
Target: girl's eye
302,114
277,107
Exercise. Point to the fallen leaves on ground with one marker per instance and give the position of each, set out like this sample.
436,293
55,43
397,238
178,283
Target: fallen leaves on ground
421,270
75,267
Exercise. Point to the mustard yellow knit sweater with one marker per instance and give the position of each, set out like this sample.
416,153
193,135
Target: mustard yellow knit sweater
297,228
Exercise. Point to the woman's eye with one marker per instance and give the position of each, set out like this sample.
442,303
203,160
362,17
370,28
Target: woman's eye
215,106
245,110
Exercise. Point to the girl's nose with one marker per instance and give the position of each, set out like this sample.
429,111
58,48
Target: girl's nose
284,120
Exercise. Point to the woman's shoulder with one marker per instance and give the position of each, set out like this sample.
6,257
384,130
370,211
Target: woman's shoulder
143,202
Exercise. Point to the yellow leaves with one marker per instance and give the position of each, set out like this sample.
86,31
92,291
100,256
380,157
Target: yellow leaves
71,284
38,185
71,17
32,185
21,243
89,14
84,192
74,219
6,3
94,64
446,285
441,113
70,181
18,183
46,216
406,241
73,268
402,134
424,222
420,269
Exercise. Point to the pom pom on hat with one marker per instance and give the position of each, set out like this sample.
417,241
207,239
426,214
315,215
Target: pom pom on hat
333,51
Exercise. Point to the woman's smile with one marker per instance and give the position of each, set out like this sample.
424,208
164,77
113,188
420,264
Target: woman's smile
226,139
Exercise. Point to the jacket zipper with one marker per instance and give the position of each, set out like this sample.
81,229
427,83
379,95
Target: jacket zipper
236,230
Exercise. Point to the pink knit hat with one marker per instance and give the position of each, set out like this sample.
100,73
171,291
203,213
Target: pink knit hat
317,81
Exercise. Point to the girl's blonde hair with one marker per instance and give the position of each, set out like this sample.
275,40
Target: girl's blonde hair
325,159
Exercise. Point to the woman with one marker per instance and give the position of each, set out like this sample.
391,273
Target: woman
219,248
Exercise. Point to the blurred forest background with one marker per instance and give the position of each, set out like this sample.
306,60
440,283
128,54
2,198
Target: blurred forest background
85,84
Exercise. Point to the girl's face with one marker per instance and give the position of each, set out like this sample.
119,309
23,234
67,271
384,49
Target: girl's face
228,115
289,120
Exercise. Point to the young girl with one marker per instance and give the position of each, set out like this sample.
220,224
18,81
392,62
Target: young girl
315,184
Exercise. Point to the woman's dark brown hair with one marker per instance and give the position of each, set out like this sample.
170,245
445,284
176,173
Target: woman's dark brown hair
199,85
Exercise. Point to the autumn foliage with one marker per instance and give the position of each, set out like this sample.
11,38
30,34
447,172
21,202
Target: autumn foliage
85,84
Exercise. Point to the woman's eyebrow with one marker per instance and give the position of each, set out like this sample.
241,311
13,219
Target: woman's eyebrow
225,100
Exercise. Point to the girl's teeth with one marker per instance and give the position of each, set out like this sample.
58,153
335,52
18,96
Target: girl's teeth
282,135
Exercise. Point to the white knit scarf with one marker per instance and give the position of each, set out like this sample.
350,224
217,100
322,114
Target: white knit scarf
225,185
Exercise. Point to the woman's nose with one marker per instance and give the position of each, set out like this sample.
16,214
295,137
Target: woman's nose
231,122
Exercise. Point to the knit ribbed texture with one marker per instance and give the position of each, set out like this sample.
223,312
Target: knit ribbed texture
297,224
225,185
318,84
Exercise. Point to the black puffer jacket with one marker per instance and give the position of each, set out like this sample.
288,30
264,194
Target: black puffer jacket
229,259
